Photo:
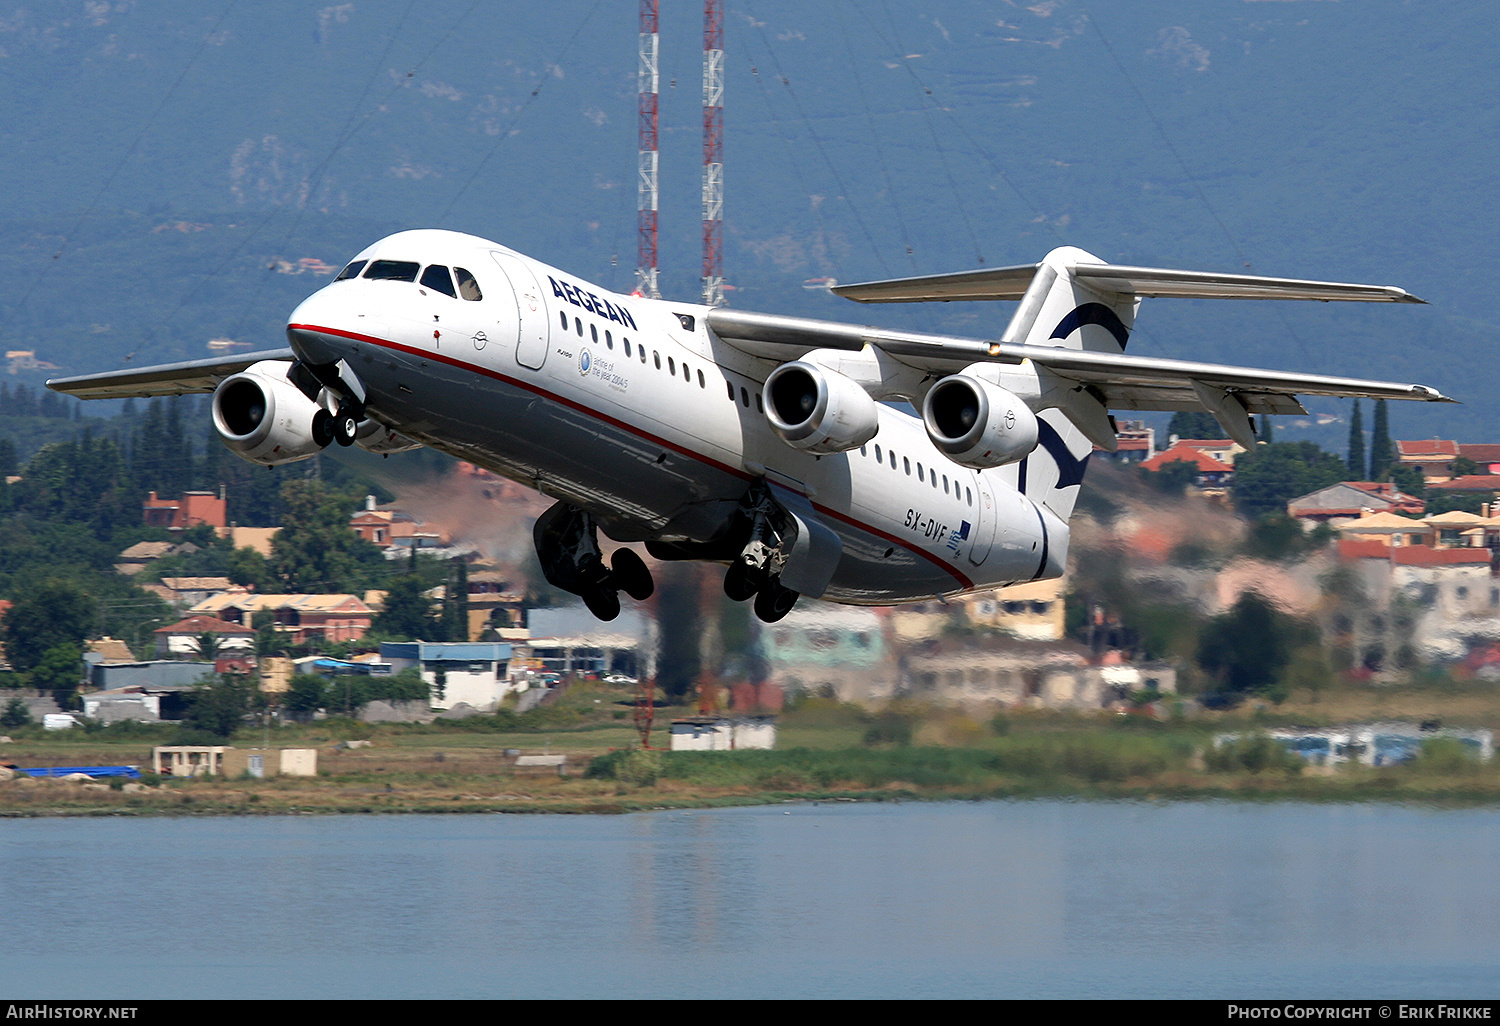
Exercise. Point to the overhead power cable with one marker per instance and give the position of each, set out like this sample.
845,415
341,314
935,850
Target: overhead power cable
135,145
818,143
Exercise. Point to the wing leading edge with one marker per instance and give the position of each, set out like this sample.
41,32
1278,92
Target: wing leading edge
188,378
1012,282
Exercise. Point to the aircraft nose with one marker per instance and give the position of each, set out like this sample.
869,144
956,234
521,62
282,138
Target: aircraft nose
312,329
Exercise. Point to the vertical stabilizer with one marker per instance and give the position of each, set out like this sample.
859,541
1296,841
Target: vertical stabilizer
1059,310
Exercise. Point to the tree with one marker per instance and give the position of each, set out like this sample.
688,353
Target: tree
1270,476
1463,467
306,695
60,672
1173,477
1246,648
208,645
455,622
315,550
1409,480
16,714
1357,446
1382,452
54,614
407,612
219,706
1194,424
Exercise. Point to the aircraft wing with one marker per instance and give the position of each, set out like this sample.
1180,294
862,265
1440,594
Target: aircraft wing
187,378
1119,381
1011,283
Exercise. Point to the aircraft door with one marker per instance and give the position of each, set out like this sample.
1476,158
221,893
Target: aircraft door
984,529
531,310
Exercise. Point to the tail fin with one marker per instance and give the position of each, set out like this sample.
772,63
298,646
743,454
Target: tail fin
1058,309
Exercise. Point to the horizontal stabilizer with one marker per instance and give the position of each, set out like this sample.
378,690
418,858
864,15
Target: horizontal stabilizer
1011,282
191,377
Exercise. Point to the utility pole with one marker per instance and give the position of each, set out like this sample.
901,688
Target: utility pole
713,152
646,201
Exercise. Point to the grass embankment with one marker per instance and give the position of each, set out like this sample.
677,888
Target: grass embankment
826,751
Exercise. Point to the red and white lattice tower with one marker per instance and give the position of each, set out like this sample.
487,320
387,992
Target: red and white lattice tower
646,205
713,152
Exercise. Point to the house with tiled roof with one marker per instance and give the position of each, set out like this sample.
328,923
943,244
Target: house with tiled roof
1429,455
298,618
1350,500
1486,455
1222,449
1470,483
1211,472
180,639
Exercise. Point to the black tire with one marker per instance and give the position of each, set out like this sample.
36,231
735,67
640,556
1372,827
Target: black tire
322,428
631,574
741,582
345,429
774,602
604,603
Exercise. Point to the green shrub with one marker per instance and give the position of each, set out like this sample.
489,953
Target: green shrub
1445,756
1256,754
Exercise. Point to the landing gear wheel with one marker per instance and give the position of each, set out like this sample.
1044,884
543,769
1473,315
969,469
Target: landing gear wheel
742,582
322,428
774,602
603,602
631,574
345,429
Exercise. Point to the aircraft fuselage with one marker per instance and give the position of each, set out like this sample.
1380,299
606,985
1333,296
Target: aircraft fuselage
632,409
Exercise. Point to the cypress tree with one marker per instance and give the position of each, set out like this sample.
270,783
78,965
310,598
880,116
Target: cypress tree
1357,445
1381,450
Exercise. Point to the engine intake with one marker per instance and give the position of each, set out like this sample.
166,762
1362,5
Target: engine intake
977,424
817,410
263,418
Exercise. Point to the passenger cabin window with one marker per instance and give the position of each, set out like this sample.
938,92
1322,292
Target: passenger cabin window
393,270
352,271
468,288
437,278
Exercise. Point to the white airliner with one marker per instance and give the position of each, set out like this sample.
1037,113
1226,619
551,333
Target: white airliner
764,443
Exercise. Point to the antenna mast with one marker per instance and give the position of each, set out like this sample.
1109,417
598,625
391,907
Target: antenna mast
646,203
713,152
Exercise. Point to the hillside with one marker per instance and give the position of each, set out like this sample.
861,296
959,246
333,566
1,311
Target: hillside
167,164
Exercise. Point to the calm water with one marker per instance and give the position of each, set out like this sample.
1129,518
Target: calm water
1009,899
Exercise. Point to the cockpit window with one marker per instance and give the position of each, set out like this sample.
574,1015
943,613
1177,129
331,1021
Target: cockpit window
392,270
436,278
468,288
352,271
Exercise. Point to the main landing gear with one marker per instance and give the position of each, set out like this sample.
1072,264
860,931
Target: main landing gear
756,571
327,383
341,427
568,549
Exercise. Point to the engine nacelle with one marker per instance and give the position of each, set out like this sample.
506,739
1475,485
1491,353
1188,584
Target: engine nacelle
263,417
818,410
977,424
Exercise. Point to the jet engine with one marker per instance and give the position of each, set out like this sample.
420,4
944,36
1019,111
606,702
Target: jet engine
263,417
817,410
977,424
